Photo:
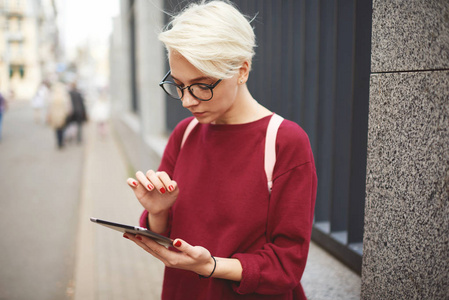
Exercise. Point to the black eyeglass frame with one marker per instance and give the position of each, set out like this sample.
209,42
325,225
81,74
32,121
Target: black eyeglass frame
210,87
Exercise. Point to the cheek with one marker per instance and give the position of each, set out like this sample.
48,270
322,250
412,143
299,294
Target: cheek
227,96
223,103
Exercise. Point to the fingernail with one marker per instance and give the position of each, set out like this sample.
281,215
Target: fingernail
162,190
171,188
150,187
124,235
134,183
138,237
178,243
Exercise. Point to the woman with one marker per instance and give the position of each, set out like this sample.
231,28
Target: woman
58,110
211,195
79,114
3,107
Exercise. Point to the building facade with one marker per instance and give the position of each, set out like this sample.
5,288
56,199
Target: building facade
28,46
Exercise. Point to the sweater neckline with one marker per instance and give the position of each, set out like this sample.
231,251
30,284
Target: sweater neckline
243,126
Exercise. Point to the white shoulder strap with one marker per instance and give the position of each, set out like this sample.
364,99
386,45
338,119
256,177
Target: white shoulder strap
270,147
189,128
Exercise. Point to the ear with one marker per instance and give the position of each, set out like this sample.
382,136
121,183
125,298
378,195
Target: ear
244,72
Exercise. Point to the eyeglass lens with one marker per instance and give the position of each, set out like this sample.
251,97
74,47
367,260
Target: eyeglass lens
200,91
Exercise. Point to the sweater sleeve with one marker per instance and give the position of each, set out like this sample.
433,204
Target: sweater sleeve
277,267
168,163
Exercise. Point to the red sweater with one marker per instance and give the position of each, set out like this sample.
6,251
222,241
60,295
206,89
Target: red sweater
224,205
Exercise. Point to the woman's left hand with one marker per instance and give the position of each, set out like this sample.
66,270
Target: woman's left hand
192,258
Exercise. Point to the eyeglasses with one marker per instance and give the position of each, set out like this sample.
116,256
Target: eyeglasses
200,91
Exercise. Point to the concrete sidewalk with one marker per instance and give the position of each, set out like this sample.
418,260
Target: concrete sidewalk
111,267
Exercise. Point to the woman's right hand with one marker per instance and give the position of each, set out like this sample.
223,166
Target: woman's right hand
156,191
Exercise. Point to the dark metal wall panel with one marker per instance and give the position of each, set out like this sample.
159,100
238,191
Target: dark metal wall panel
298,37
362,70
343,112
311,67
326,78
286,68
277,55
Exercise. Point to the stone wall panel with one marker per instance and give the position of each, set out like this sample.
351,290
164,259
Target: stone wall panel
406,252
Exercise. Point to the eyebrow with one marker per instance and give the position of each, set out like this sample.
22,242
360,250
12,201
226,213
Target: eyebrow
201,78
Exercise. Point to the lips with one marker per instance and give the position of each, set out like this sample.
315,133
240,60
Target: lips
198,114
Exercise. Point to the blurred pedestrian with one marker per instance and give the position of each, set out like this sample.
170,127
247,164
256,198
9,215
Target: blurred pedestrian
58,111
79,114
3,106
236,186
100,115
39,102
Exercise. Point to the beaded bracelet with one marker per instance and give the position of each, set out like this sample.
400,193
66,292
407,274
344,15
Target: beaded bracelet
215,265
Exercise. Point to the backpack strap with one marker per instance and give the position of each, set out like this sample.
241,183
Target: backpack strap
189,129
270,147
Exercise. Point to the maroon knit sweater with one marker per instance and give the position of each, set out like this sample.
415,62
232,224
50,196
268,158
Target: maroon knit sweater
224,205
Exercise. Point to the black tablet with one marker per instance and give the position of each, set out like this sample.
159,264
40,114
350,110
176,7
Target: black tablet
163,240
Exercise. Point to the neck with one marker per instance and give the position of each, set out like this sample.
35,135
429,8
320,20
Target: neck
245,109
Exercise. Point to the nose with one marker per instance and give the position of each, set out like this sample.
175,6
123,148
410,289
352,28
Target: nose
188,100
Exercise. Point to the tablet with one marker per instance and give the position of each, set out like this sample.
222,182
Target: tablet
163,240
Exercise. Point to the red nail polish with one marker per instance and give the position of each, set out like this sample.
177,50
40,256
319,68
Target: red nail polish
171,188
124,235
178,244
138,237
162,190
150,187
134,183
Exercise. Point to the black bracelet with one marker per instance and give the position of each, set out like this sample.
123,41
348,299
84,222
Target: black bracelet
215,265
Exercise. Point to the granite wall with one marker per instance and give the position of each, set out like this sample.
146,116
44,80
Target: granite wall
406,239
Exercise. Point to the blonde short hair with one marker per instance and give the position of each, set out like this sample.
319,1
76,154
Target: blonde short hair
213,36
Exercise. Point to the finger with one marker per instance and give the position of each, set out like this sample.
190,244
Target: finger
166,181
193,252
156,181
144,181
139,189
132,183
148,245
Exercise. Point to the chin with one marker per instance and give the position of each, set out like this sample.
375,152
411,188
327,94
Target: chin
204,119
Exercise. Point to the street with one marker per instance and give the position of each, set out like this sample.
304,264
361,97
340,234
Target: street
39,195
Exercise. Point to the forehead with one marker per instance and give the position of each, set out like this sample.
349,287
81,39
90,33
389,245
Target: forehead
183,70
